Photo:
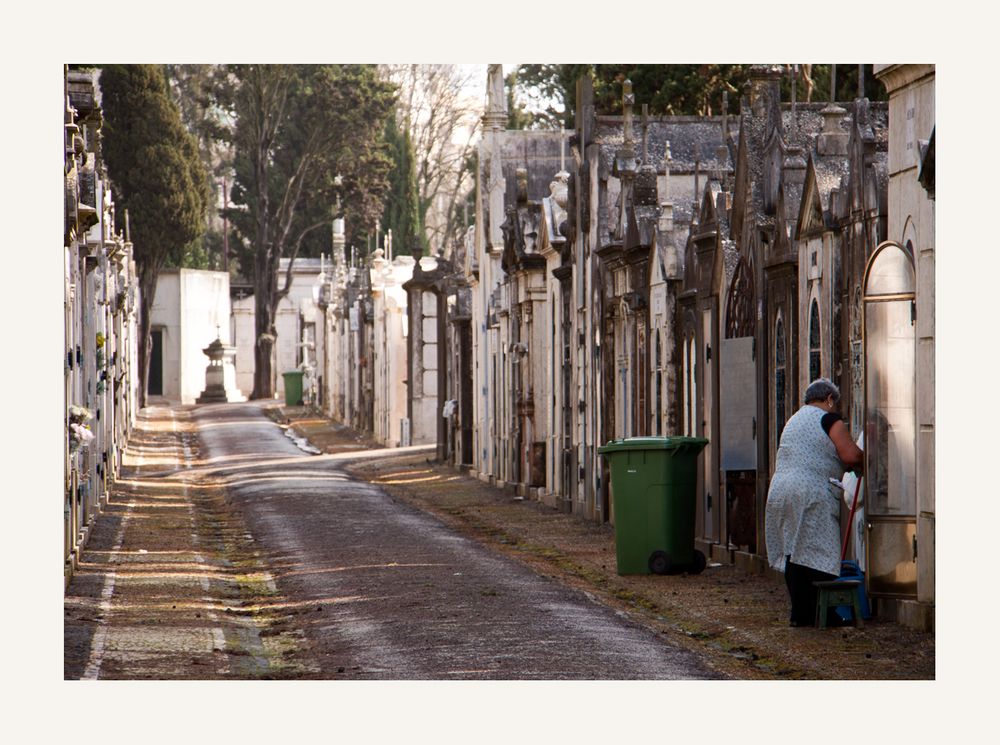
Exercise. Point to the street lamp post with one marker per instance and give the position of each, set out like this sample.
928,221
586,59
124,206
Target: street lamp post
225,227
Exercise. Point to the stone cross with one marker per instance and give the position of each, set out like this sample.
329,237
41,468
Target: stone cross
795,85
667,157
628,100
645,133
725,117
697,167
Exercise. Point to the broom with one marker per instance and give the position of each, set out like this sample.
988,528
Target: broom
850,521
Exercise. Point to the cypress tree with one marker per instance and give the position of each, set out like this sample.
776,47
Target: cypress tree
156,175
401,213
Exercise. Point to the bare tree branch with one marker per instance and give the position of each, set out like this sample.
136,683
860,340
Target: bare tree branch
293,255
442,120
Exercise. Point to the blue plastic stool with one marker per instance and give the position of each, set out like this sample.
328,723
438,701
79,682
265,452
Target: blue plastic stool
834,593
849,570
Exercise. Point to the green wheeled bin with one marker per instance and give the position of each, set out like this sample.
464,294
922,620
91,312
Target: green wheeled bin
293,387
653,484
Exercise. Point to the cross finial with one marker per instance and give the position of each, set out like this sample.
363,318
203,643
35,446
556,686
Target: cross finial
645,133
628,100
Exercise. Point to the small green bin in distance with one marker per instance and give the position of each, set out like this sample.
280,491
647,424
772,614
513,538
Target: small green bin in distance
653,485
293,387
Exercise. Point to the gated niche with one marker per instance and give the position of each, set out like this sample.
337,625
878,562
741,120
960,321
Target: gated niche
738,430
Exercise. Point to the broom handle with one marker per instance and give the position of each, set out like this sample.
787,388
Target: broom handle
850,520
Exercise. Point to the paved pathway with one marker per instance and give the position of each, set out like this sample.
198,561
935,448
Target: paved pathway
338,581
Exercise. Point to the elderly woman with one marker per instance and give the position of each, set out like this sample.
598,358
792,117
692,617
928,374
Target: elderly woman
802,519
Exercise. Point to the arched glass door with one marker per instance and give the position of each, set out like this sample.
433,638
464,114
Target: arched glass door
890,421
815,343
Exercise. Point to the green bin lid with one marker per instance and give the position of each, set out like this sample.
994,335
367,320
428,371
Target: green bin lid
653,443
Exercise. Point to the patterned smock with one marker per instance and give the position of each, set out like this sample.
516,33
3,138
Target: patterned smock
802,519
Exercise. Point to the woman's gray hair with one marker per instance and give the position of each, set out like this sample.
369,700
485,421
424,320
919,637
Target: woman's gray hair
821,389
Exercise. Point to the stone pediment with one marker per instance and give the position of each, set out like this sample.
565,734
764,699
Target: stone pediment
782,247
810,217
647,218
741,186
708,215
611,254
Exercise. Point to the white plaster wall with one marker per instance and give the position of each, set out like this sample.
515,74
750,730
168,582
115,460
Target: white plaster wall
204,317
166,315
424,370
192,307
911,217
243,340
287,324
389,355
334,387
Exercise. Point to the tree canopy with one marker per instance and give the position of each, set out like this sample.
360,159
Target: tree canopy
544,96
196,90
303,136
296,129
153,163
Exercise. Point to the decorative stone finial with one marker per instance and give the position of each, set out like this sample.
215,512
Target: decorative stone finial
628,101
562,148
496,101
625,157
832,140
522,184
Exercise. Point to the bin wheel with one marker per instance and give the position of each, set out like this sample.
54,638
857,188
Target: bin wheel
699,563
659,562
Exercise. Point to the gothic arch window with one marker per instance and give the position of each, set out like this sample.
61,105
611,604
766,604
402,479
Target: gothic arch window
692,430
890,361
815,343
909,234
779,377
740,302
890,421
685,396
689,386
657,366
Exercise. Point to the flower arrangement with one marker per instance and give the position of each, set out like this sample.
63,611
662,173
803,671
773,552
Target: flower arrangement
79,431
101,362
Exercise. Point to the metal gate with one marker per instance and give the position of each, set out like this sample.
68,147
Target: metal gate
738,410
